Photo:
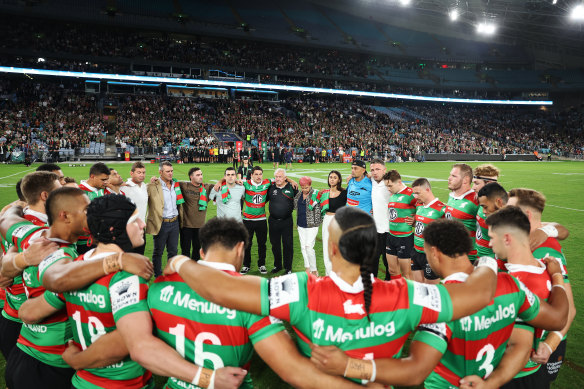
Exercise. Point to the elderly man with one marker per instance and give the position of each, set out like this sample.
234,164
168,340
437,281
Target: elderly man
164,199
281,197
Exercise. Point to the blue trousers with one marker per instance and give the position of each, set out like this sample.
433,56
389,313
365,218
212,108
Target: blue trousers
167,238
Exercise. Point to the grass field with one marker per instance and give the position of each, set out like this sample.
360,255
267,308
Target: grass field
561,182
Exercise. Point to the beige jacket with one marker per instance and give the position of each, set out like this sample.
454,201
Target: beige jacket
155,207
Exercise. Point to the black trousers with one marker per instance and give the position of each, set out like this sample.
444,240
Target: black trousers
281,235
189,238
25,372
10,331
260,229
381,240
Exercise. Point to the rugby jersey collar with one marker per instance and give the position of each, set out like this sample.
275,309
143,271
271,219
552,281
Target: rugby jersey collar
402,189
343,285
431,202
91,188
515,268
39,215
217,265
91,256
58,240
460,277
461,196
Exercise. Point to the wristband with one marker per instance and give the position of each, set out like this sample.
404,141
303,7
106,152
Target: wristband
548,346
559,334
177,263
111,264
24,259
120,264
212,383
559,286
488,262
205,377
358,368
549,230
374,372
197,376
15,265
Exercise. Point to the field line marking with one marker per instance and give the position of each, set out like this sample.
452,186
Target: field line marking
28,170
570,209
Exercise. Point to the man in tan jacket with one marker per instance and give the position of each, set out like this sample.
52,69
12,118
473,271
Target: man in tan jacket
164,201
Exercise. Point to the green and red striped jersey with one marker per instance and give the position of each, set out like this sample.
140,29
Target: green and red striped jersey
551,247
538,280
425,214
202,332
465,208
254,202
21,234
482,236
328,311
92,193
401,205
93,311
47,340
475,344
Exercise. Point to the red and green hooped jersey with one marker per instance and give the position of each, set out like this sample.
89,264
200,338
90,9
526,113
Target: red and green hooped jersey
202,332
401,205
93,312
46,340
464,208
92,193
425,214
21,234
321,198
482,236
254,202
538,280
327,311
474,345
552,248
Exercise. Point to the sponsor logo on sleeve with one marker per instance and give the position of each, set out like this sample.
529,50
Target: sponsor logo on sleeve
530,296
52,258
125,293
427,296
284,290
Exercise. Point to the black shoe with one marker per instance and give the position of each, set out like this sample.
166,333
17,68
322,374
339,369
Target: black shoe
287,271
275,270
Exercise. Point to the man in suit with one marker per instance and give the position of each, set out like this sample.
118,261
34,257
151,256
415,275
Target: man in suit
164,200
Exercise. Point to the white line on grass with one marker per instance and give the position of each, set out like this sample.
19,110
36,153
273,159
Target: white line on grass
28,170
570,209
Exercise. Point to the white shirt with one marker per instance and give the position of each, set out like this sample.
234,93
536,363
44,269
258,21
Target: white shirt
380,198
139,196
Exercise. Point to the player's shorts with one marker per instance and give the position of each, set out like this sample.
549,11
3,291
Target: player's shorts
400,246
24,371
10,331
420,262
531,381
549,371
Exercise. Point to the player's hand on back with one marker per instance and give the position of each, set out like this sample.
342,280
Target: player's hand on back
536,238
542,354
329,359
473,382
229,377
70,355
137,264
153,179
38,250
553,265
16,203
5,281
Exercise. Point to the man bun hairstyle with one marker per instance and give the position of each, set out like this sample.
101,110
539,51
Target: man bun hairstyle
226,232
449,236
358,244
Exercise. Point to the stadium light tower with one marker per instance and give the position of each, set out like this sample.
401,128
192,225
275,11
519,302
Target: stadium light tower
486,28
577,13
453,14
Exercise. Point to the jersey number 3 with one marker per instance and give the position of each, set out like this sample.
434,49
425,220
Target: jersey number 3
488,352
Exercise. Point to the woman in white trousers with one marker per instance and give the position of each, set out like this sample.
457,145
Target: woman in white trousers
308,218
337,198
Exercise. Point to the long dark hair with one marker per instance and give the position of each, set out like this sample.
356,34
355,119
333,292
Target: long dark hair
339,184
358,244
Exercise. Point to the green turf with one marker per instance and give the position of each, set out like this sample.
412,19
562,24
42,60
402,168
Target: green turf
561,182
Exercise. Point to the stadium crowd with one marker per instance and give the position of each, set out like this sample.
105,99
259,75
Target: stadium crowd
80,309
48,117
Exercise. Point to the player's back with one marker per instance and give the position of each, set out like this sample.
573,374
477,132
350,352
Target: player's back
474,345
203,332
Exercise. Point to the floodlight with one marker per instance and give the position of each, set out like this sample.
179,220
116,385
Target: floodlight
40,60
486,28
577,13
554,2
405,2
453,14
